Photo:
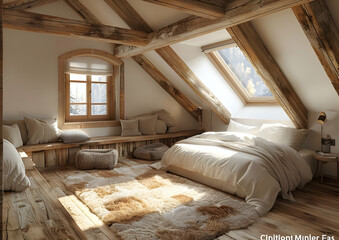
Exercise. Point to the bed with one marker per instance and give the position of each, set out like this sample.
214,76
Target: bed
254,164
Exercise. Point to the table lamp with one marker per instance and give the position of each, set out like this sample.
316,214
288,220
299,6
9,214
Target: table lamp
322,119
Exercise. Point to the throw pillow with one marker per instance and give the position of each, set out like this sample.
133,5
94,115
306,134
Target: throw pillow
130,128
147,125
12,134
71,136
22,127
15,178
166,117
160,127
41,131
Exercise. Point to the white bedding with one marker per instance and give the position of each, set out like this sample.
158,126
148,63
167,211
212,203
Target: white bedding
247,166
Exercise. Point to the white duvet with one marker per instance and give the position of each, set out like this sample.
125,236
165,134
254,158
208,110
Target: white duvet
247,166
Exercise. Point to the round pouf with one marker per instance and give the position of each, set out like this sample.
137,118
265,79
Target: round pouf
96,159
153,151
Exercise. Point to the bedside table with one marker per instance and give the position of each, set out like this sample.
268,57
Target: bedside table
322,161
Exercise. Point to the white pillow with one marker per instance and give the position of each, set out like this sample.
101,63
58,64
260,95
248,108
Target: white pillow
282,134
12,134
234,126
15,178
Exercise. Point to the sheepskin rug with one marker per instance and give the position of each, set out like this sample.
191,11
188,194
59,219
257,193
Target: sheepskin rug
143,203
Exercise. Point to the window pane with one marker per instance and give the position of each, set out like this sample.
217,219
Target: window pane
78,110
244,72
77,77
99,109
99,93
77,92
98,78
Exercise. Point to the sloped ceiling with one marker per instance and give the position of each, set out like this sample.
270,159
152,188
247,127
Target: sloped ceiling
285,39
280,32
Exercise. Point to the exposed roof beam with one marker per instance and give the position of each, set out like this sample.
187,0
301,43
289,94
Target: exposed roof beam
195,26
128,14
168,86
252,46
180,67
26,4
323,35
195,7
68,27
82,11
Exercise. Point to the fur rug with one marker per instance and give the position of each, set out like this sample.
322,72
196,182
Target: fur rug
143,203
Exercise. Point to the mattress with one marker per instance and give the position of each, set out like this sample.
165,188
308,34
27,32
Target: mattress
241,164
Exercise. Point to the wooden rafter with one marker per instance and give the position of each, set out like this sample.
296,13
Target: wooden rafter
26,4
195,26
128,14
322,32
252,46
180,67
82,11
168,86
206,9
68,27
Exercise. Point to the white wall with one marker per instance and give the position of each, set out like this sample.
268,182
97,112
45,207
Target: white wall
329,128
31,77
144,95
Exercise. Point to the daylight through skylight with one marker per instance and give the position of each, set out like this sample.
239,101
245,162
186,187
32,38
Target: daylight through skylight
244,72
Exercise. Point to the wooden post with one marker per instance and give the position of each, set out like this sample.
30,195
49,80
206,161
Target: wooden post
1,109
122,91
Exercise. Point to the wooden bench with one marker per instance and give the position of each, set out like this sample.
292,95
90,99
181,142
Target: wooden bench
59,154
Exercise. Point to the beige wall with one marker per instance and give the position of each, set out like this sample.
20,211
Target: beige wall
31,80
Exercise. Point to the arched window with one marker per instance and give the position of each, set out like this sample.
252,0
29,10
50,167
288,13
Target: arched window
87,89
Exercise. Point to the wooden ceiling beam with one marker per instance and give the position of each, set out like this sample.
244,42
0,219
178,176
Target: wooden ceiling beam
322,32
252,46
194,7
128,14
186,74
195,26
160,78
26,4
72,28
82,11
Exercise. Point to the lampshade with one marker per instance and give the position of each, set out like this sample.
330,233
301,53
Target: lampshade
322,119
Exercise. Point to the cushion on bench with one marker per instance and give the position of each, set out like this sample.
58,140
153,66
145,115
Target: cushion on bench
96,159
153,151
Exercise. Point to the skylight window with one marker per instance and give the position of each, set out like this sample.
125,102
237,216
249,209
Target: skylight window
244,72
240,74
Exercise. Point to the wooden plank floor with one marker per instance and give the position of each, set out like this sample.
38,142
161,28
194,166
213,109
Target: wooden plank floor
48,211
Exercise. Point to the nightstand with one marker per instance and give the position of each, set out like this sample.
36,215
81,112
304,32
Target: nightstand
322,161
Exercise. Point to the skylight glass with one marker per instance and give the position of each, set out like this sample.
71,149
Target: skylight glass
244,72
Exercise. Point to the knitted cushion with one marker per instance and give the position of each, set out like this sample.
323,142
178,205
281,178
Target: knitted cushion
96,159
153,151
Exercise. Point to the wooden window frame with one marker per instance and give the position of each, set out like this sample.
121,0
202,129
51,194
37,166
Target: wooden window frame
229,76
110,94
63,121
